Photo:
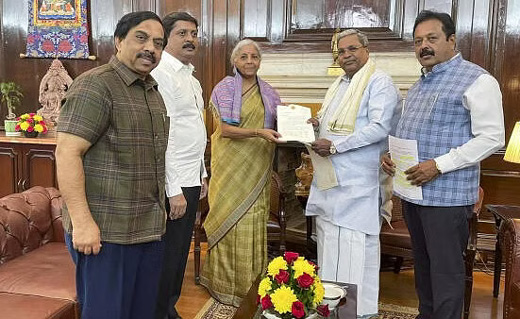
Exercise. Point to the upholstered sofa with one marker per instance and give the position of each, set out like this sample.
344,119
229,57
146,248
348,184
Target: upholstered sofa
36,271
510,240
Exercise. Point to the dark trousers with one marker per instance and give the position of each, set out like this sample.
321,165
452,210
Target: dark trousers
177,241
439,238
120,282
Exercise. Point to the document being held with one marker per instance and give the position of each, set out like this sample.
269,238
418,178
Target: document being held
404,155
292,123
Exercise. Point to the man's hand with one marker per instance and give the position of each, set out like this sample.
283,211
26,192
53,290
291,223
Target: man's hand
86,237
177,206
314,121
204,188
269,135
422,173
322,147
387,164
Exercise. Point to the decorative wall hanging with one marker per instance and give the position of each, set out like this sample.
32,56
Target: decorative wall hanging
57,29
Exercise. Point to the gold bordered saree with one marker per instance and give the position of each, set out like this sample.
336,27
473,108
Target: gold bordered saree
239,195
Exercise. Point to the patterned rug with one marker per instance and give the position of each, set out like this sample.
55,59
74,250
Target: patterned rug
215,310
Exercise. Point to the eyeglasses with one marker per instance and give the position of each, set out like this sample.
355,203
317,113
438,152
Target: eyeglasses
351,49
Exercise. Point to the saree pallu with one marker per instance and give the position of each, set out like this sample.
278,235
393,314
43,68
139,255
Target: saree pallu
239,199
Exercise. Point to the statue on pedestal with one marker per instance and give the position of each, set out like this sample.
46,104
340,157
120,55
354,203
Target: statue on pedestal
53,86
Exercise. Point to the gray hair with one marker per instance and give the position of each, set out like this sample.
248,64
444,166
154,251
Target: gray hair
363,39
238,47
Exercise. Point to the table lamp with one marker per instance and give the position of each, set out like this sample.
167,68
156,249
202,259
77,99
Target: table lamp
513,147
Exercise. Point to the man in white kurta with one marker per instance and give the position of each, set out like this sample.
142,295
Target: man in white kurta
353,126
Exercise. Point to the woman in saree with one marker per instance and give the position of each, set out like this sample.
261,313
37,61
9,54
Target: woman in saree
242,151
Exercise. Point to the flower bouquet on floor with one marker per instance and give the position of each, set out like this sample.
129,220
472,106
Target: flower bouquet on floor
292,289
31,124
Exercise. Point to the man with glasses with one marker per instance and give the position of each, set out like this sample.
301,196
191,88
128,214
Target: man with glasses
353,125
110,165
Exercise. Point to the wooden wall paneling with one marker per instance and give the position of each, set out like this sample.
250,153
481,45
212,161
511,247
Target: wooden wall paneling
10,169
255,19
439,5
411,9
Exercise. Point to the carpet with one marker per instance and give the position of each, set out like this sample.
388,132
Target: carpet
215,310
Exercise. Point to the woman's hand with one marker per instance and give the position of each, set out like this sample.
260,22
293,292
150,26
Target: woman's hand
269,135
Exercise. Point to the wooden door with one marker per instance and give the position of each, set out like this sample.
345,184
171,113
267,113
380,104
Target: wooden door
10,171
39,166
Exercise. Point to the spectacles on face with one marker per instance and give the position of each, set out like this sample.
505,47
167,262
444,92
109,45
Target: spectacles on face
351,49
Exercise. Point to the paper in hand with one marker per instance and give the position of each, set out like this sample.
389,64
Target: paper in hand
292,123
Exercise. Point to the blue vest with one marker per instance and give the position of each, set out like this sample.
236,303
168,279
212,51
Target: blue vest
435,116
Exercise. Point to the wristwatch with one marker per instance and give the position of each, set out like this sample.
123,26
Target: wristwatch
332,149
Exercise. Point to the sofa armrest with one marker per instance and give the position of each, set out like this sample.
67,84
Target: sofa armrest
510,237
29,220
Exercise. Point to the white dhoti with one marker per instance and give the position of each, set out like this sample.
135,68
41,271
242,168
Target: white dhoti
350,256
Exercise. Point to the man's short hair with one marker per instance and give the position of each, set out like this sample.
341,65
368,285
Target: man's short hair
170,19
363,39
130,20
448,26
240,45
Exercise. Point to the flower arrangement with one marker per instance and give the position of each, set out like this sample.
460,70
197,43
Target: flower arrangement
291,288
31,122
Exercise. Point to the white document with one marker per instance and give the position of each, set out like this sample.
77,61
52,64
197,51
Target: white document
292,123
404,155
323,170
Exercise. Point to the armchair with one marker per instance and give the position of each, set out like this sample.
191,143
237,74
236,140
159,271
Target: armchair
276,225
510,236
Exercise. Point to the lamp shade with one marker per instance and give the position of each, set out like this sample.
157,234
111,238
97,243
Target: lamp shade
513,147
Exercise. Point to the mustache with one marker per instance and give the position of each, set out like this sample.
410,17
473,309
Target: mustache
147,55
426,51
188,45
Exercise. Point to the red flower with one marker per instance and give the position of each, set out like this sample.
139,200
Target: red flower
297,309
17,127
30,129
266,302
305,280
290,256
42,122
323,310
258,299
32,114
282,277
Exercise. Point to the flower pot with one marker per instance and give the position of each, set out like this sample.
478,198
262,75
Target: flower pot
10,126
30,134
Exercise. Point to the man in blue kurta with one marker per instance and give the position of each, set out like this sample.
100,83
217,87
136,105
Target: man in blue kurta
353,126
454,112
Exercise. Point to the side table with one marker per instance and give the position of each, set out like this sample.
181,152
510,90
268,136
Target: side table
500,213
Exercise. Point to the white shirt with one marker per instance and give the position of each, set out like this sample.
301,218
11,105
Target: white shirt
182,95
483,99
355,202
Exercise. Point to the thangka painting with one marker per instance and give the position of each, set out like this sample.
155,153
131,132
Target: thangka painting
57,29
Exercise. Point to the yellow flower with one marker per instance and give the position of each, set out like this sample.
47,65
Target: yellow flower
24,126
264,286
302,266
283,299
38,128
319,291
24,116
275,265
38,118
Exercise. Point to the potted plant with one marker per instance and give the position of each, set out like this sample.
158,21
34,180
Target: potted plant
31,125
11,94
291,289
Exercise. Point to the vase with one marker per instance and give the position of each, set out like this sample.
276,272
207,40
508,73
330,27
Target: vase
32,134
9,126
270,315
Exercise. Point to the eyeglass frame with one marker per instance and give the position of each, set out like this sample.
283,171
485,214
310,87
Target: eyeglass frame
350,49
